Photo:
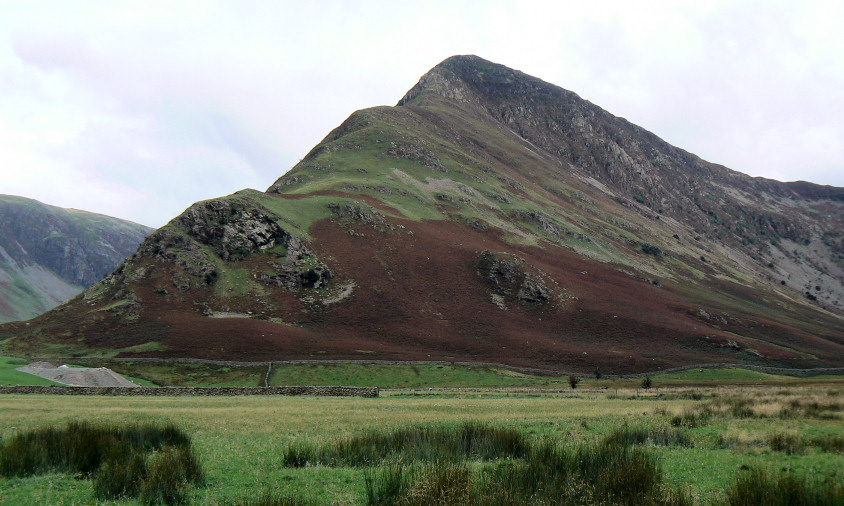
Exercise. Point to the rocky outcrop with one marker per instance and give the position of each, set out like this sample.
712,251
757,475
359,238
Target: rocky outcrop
417,154
171,245
233,229
292,276
506,273
360,212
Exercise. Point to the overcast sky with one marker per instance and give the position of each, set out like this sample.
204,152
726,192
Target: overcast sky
137,109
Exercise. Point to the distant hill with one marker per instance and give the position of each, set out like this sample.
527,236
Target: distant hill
49,254
489,216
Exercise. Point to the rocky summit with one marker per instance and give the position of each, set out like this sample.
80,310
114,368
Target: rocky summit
489,216
49,254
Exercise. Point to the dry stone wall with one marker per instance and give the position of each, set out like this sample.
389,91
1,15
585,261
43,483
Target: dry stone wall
331,391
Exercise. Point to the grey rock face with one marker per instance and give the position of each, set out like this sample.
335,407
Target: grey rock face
233,230
507,275
360,212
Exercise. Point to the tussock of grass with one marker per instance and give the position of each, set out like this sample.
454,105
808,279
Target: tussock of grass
757,487
614,471
441,483
740,407
788,442
155,464
269,499
827,443
470,441
609,473
810,409
640,435
692,418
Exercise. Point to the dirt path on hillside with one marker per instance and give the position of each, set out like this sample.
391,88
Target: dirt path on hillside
77,376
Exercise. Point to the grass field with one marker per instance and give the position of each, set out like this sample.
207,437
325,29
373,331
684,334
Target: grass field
423,376
241,441
9,376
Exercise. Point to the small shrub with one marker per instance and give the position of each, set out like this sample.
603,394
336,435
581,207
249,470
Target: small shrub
650,249
573,381
647,382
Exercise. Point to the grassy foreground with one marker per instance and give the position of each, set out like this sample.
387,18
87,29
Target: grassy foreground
716,435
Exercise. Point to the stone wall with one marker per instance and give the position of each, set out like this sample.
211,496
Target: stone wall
194,391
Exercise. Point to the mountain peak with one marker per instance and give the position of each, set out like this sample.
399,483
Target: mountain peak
470,78
449,78
491,216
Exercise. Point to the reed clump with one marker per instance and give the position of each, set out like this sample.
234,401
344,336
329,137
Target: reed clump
154,464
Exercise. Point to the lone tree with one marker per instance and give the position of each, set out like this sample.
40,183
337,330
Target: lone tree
647,382
573,381
598,374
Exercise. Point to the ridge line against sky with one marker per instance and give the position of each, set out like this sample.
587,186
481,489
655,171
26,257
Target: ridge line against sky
138,109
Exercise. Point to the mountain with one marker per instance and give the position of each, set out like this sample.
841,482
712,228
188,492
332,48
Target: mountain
49,254
488,216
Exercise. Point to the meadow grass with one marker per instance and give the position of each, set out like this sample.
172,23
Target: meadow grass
421,376
9,376
406,376
241,441
187,375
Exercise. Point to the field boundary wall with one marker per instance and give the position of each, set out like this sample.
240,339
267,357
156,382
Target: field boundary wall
328,391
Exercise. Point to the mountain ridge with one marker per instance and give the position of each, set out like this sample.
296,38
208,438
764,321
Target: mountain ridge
49,254
488,216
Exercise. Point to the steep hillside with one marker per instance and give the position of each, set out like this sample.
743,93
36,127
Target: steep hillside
489,216
49,254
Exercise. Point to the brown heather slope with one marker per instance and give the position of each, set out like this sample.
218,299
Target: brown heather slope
488,217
